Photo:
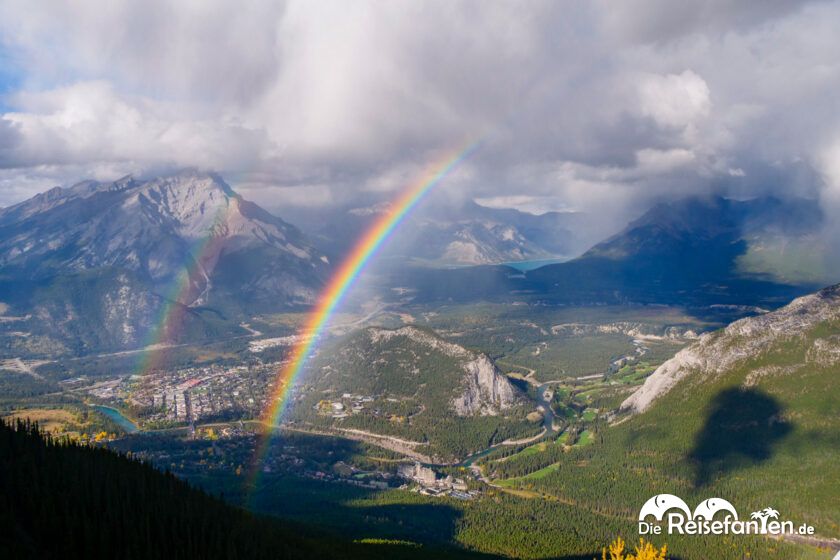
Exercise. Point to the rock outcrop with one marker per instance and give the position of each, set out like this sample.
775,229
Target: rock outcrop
486,390
718,352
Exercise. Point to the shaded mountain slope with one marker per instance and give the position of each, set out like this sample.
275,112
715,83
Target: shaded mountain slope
62,500
693,252
689,250
749,413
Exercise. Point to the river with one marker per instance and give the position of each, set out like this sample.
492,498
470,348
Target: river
525,266
548,413
118,418
548,424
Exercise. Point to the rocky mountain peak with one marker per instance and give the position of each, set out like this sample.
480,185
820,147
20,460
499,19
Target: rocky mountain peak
155,230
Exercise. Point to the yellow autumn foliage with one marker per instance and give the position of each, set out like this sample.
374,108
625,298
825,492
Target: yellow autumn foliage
644,551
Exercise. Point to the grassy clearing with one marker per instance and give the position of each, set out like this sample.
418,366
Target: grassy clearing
536,475
528,451
586,438
519,493
51,420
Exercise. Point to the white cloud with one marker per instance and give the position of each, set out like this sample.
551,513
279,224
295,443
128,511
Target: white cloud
651,162
314,195
829,166
526,203
597,106
90,122
674,100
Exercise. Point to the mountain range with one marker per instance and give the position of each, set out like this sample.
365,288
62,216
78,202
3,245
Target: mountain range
95,265
455,234
695,251
747,413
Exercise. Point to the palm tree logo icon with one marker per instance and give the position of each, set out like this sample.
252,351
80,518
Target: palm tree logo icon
764,515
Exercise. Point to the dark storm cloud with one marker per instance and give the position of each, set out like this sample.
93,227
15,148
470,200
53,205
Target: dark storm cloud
598,106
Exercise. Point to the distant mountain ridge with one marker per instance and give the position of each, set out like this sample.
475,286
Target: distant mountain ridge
463,233
696,251
114,253
473,234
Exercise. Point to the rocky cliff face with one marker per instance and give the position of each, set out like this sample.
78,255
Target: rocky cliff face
720,351
486,392
483,390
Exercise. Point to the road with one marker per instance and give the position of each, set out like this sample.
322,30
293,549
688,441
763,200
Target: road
17,364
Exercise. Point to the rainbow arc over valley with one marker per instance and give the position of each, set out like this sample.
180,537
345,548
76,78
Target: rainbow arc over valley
340,284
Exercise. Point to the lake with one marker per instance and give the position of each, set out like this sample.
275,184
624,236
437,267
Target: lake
525,266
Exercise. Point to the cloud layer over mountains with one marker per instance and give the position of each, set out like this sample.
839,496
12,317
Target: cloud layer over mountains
592,105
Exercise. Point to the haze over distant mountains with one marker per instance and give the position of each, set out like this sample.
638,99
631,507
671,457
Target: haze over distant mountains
703,244
92,266
443,233
698,250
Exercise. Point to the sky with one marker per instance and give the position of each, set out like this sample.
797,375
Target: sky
598,106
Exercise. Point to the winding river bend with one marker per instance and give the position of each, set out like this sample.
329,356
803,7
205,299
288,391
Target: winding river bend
548,427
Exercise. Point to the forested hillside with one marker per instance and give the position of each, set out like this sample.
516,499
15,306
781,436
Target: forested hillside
748,413
59,499
410,383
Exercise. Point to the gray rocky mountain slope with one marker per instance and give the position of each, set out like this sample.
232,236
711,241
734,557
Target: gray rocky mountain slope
108,256
718,352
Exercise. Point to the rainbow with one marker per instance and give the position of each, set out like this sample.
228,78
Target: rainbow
340,284
173,313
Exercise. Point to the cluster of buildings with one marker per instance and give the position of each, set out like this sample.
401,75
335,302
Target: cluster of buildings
192,394
344,407
429,484
348,474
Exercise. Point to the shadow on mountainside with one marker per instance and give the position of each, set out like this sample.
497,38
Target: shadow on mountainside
742,428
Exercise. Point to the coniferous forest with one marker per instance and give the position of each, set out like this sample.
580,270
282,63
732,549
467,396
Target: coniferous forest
61,499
